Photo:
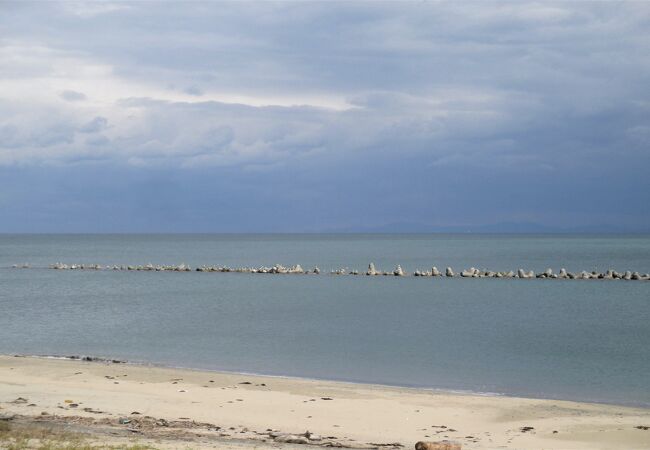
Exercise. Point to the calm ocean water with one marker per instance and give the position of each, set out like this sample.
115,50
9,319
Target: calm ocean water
580,340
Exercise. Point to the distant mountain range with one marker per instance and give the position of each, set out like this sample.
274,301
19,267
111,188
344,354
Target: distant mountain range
501,227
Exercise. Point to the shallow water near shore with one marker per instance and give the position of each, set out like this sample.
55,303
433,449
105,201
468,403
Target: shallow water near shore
576,340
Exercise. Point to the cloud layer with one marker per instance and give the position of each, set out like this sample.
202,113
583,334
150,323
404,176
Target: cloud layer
437,114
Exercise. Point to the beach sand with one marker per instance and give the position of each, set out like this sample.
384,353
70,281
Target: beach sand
180,408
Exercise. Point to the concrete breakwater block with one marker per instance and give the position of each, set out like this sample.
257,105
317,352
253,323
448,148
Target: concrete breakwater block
372,270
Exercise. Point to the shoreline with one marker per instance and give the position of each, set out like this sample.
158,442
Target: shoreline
101,359
416,388
227,406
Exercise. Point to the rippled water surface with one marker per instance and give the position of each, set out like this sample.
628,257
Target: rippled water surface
583,340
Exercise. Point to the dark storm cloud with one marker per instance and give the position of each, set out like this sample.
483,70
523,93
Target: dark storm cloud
434,113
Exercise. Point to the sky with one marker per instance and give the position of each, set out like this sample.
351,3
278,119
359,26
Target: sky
324,117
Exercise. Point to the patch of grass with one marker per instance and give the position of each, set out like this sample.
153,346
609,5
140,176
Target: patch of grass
43,438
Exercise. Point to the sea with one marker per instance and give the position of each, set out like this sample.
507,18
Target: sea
584,340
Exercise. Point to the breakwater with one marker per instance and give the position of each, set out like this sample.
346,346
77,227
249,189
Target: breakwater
297,269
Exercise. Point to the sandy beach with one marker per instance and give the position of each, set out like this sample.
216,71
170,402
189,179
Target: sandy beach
180,408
